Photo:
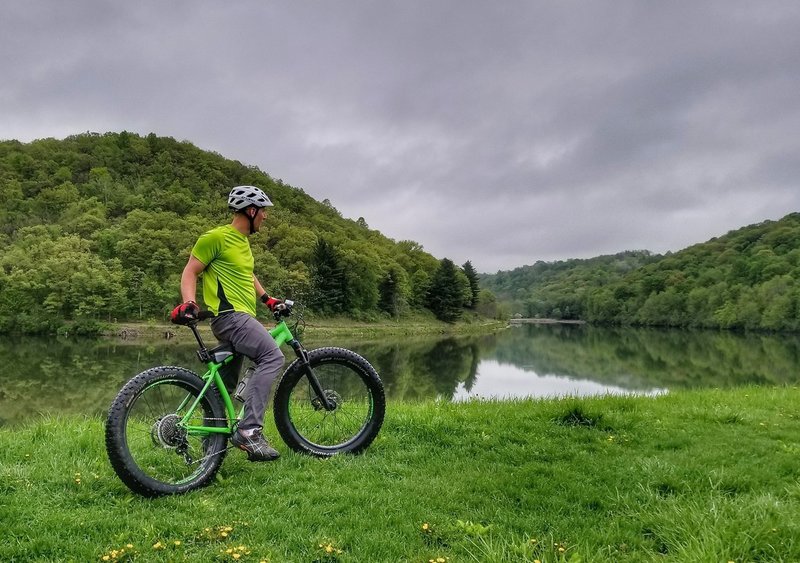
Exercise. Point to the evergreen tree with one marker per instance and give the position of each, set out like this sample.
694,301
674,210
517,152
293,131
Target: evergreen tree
389,294
444,296
328,279
474,288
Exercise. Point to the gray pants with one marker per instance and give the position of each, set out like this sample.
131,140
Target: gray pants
250,338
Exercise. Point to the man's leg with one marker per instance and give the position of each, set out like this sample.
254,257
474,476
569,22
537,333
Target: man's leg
249,337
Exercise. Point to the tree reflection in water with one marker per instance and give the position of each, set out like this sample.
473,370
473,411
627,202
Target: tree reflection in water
49,375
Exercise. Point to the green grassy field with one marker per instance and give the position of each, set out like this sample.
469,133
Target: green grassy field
690,476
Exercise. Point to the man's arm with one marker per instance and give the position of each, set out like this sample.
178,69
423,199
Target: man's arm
191,271
259,288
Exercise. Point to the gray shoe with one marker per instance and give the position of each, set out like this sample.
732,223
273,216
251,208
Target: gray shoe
257,448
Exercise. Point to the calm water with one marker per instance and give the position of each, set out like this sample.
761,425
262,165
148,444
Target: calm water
82,376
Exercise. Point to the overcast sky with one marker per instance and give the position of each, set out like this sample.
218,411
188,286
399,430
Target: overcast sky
498,131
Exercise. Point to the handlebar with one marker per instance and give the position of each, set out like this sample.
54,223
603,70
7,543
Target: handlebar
205,315
278,313
284,311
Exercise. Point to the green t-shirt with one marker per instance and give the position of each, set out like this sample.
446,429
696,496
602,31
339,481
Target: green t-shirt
228,277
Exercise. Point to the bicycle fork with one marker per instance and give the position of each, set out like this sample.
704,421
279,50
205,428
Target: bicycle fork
305,364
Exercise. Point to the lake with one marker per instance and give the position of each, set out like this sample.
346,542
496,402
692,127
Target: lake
55,375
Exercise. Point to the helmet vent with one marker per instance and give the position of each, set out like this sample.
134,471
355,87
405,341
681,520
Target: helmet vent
242,197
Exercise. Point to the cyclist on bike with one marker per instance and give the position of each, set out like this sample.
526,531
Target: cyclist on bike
230,288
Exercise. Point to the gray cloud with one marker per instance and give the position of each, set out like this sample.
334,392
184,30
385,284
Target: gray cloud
503,133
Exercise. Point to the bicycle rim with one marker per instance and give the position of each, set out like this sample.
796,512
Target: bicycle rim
156,441
335,429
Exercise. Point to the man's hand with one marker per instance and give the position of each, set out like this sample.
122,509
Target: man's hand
273,304
185,313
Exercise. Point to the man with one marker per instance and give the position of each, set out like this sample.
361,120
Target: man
230,289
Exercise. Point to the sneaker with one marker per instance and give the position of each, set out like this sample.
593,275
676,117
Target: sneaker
257,448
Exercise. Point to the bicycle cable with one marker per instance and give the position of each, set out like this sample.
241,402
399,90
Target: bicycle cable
299,324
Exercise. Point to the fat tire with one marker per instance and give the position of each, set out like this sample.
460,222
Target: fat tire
294,373
119,454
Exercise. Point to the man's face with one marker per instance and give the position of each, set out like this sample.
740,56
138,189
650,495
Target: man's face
261,213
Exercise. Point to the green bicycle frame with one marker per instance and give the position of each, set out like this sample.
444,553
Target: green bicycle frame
280,333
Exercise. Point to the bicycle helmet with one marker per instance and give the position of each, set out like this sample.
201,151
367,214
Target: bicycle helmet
242,197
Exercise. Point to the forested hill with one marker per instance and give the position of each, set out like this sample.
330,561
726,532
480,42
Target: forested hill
745,279
559,289
98,227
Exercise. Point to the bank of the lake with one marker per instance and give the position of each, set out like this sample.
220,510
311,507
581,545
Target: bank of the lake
689,476
323,328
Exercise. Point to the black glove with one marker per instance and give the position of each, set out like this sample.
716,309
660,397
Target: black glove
185,313
277,306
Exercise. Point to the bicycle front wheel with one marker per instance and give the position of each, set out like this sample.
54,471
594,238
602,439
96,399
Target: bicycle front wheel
149,446
354,391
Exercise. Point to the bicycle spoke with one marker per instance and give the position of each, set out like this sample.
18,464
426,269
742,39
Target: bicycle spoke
351,406
157,442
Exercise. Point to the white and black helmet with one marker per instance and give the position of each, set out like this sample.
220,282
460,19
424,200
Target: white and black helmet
242,197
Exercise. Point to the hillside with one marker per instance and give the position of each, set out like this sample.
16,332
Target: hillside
559,289
98,227
746,279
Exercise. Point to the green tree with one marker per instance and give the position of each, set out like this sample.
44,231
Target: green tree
328,279
445,295
474,287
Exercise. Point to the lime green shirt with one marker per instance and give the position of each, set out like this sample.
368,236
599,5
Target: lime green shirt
228,277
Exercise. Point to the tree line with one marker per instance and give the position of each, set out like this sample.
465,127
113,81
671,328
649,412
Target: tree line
97,227
746,279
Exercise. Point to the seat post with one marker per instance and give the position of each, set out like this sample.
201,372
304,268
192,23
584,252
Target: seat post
203,349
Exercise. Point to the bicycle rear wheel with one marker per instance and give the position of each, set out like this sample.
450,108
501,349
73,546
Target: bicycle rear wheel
353,387
149,449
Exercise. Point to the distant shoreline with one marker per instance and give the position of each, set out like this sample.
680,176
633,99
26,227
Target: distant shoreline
546,321
318,329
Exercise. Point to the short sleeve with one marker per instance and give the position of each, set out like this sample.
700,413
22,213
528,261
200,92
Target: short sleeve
208,246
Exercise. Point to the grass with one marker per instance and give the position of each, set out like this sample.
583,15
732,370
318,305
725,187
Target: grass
691,476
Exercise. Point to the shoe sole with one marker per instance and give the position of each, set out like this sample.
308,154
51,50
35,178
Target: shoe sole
251,457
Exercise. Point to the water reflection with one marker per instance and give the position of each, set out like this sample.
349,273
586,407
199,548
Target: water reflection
506,381
51,375
82,376
649,358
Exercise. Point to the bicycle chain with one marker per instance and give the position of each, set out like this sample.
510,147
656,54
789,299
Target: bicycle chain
209,456
183,449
